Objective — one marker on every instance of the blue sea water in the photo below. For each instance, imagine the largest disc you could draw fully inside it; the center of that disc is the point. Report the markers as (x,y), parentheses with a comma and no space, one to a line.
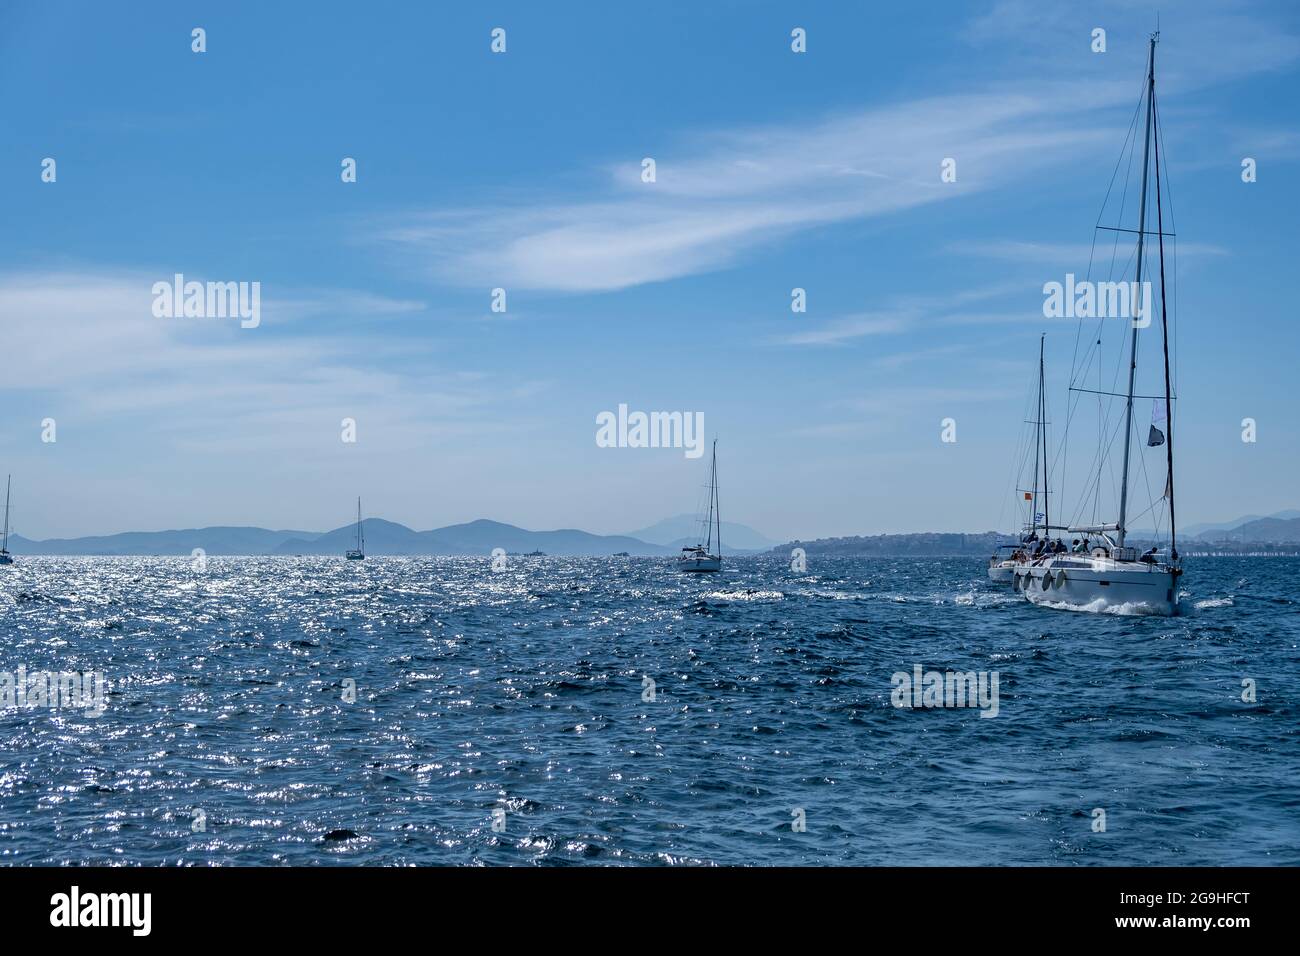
(524,691)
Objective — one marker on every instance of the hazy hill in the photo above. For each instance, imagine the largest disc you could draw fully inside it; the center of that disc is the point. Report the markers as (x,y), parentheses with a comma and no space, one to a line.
(481,536)
(381,537)
(681,530)
(1199,530)
(1273,530)
(217,540)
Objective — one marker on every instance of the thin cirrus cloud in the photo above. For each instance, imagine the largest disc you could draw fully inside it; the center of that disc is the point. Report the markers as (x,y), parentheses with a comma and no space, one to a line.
(750,188)
(737,191)
(1076,255)
(902,313)
(847,328)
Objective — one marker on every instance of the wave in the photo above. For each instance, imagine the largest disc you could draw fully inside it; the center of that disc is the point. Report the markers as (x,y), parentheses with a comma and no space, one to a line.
(1213,602)
(747,595)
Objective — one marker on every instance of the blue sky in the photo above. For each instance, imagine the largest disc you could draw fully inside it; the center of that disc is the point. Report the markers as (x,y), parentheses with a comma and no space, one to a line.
(521,170)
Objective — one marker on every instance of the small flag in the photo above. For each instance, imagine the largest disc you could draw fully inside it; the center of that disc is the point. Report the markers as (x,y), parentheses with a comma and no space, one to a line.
(1156,437)
(1028,496)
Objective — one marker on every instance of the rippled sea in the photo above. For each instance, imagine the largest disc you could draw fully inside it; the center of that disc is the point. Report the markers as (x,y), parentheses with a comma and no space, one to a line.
(506,717)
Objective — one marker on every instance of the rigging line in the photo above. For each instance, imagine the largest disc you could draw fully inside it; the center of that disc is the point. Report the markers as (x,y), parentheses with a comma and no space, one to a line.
(1164,325)
(1169,189)
(1018,462)
(1129,147)
(1134,231)
(1095,349)
(1120,394)
(1129,135)
(1104,462)
(1094,480)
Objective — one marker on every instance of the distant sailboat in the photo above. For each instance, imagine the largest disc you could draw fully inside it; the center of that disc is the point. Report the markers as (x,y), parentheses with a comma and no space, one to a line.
(359,552)
(5,556)
(702,558)
(1008,557)
(1105,571)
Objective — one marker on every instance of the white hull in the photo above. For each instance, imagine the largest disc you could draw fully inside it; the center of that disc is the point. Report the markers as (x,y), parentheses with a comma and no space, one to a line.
(1083,583)
(1003,571)
(700,565)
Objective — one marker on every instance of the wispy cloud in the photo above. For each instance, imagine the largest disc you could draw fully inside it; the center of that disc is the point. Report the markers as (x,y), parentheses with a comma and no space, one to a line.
(90,343)
(1066,254)
(744,189)
(847,328)
(902,313)
(731,192)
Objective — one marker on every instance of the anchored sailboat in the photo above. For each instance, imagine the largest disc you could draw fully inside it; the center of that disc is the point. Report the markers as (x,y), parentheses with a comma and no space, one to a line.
(5,556)
(702,558)
(359,552)
(1104,571)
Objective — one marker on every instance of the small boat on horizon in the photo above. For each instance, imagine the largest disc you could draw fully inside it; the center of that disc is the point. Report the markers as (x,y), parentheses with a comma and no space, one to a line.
(359,552)
(701,558)
(5,556)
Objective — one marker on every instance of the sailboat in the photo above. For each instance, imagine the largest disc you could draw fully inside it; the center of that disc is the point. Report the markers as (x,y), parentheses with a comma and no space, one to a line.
(5,556)
(702,558)
(1105,572)
(1008,557)
(359,552)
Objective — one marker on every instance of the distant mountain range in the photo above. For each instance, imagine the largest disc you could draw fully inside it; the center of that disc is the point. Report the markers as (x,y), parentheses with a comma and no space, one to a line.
(1279,531)
(665,538)
(1274,529)
(1282,527)
(382,538)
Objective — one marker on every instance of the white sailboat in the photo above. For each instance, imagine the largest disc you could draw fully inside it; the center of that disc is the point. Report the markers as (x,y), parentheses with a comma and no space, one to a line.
(5,556)
(1008,557)
(702,558)
(1105,572)
(359,552)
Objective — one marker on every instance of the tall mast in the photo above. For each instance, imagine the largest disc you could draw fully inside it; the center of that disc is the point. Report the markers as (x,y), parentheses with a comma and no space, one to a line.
(4,546)
(1132,355)
(717,505)
(1164,326)
(1042,437)
(1038,424)
(358,522)
(713,486)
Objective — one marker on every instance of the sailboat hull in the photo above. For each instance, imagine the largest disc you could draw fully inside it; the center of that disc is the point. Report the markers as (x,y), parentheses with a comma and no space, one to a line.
(1080,583)
(703,565)
(1001,572)
(5,558)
